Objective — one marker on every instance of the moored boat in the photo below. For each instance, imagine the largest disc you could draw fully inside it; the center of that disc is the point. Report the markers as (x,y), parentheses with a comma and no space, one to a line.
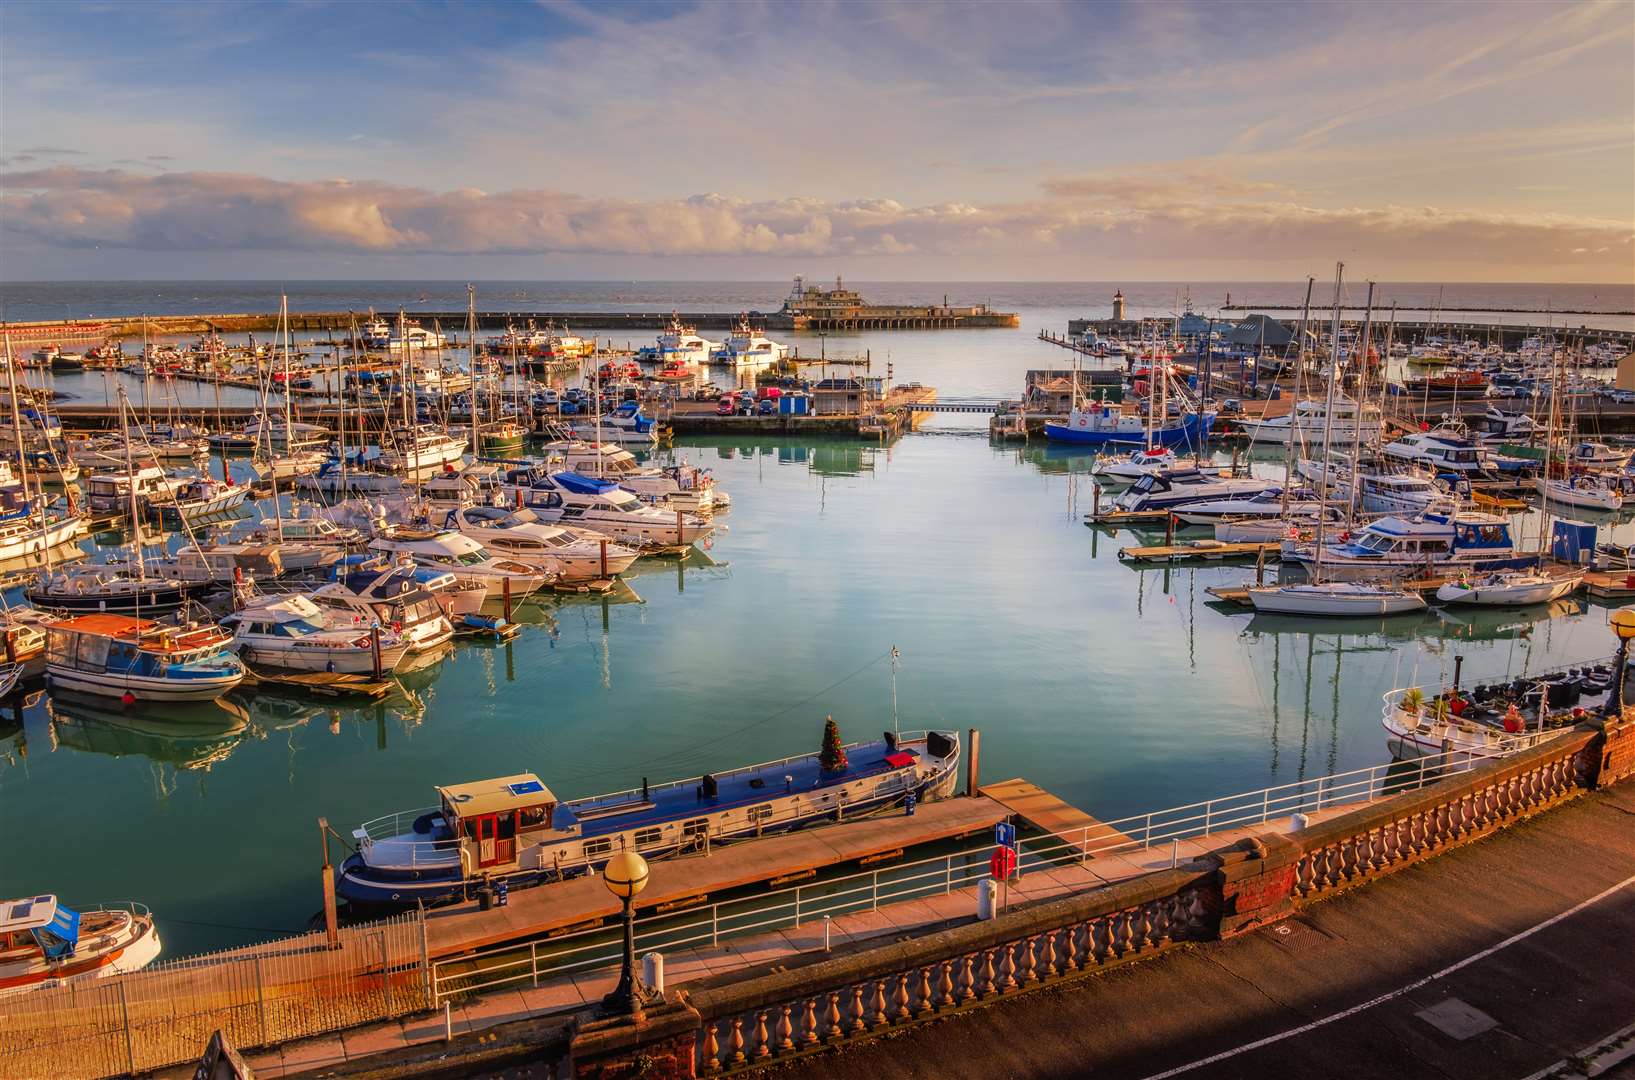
(140,660)
(291,633)
(1509,588)
(43,942)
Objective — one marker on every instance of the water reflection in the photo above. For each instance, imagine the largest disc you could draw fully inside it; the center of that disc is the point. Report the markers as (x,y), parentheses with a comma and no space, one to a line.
(193,736)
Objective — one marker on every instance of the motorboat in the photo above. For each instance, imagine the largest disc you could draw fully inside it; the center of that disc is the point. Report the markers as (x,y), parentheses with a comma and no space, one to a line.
(291,464)
(415,338)
(1178,487)
(1443,451)
(681,487)
(44,942)
(309,530)
(291,633)
(1263,504)
(1400,493)
(572,554)
(1403,546)
(1598,455)
(625,425)
(421,449)
(1347,423)
(458,554)
(1585,491)
(1135,465)
(681,344)
(1509,588)
(749,349)
(139,659)
(26,528)
(201,566)
(1497,426)
(478,484)
(567,498)
(1492,720)
(198,498)
(374,593)
(512,828)
(1334,598)
(112,492)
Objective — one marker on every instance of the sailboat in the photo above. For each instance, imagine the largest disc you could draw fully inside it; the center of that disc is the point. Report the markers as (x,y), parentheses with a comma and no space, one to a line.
(25,528)
(499,437)
(1334,598)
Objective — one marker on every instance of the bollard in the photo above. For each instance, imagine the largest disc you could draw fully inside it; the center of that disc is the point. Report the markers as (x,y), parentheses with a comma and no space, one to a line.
(448,1022)
(505,594)
(653,971)
(826,922)
(1299,822)
(987,892)
(603,545)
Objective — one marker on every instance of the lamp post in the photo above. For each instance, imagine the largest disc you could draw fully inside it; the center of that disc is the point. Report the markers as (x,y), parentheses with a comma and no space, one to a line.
(1623,624)
(625,875)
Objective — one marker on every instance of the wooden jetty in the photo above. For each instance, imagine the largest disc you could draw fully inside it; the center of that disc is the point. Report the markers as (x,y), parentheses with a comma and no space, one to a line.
(321,683)
(1050,814)
(1196,550)
(1610,585)
(585,901)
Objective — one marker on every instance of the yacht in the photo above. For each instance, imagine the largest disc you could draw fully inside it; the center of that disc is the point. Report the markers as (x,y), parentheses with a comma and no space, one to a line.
(1400,493)
(1335,599)
(567,498)
(415,338)
(311,531)
(1404,547)
(455,553)
(1497,426)
(291,633)
(626,424)
(1509,588)
(199,497)
(1598,455)
(111,492)
(25,528)
(1178,487)
(421,449)
(108,588)
(43,942)
(371,594)
(1263,504)
(377,334)
(682,487)
(512,828)
(1347,423)
(1585,491)
(140,660)
(572,554)
(1109,471)
(680,344)
(1444,451)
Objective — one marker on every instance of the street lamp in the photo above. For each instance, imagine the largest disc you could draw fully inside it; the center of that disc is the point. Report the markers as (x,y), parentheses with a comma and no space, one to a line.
(626,875)
(1623,624)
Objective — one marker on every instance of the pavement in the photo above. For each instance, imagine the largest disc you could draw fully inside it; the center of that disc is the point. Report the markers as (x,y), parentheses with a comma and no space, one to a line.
(1510,958)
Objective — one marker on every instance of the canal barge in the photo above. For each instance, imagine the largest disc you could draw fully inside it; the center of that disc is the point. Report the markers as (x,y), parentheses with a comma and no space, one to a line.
(513,829)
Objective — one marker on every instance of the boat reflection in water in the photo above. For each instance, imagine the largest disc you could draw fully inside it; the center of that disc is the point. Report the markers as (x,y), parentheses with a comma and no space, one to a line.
(192,736)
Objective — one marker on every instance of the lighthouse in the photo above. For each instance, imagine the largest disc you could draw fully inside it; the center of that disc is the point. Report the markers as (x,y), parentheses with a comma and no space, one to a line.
(1118,306)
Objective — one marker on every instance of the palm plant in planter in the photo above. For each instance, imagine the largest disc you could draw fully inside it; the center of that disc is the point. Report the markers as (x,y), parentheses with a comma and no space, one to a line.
(1412,703)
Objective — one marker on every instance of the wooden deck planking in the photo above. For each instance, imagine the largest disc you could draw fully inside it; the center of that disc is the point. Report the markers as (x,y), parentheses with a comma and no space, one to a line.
(536,911)
(1205,550)
(1051,814)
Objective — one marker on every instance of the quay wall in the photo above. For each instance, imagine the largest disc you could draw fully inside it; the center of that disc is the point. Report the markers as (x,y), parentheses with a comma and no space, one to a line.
(1510,335)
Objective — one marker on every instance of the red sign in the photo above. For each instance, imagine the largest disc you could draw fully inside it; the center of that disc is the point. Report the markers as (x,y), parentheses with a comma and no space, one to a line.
(1002,863)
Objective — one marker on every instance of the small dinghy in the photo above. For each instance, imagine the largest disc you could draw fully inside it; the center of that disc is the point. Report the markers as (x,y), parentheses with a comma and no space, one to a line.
(45,943)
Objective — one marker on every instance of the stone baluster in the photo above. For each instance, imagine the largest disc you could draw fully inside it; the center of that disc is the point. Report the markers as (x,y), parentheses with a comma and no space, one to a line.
(1099,947)
(925,1007)
(1007,968)
(735,1042)
(945,985)
(990,982)
(710,1055)
(967,980)
(832,1030)
(809,1023)
(859,1012)
(877,1015)
(899,1000)
(1145,938)
(784,1029)
(1050,952)
(763,1044)
(1029,967)
(1121,933)
(1178,927)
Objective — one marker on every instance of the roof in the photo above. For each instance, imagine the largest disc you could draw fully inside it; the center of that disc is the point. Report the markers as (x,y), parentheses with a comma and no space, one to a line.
(496,795)
(584,485)
(27,914)
(1260,330)
(108,625)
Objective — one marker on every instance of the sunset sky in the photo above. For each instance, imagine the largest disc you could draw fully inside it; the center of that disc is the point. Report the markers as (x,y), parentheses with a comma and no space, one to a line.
(1459,142)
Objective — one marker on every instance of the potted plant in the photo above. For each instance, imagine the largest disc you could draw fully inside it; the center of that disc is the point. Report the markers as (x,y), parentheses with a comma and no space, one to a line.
(1412,704)
(832,758)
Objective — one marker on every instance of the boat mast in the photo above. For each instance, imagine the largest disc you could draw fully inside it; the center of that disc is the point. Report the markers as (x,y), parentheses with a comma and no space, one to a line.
(1328,411)
(1360,398)
(16,416)
(1299,372)
(476,385)
(136,516)
(1549,451)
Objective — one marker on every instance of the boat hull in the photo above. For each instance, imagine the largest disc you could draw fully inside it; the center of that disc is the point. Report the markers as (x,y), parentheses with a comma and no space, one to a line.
(1194,431)
(141,687)
(1333,603)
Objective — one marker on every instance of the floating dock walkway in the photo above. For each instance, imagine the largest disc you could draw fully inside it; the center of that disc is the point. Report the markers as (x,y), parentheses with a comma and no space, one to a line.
(1051,814)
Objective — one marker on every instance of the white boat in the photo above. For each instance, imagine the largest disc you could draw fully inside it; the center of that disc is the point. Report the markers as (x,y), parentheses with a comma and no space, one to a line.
(291,633)
(571,554)
(455,553)
(415,338)
(1265,504)
(1598,455)
(376,333)
(748,349)
(107,493)
(1400,493)
(422,449)
(1496,425)
(402,597)
(682,487)
(1334,598)
(1403,547)
(44,943)
(680,345)
(311,531)
(1178,487)
(1583,491)
(1133,466)
(1508,588)
(1304,423)
(1419,732)
(567,498)
(1443,451)
(626,425)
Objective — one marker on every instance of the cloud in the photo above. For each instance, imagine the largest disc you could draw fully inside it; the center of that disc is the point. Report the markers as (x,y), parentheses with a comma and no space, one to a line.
(53,151)
(1184,216)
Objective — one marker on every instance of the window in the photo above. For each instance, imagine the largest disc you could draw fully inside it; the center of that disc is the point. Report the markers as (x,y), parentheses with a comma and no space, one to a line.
(696,827)
(649,837)
(759,814)
(598,847)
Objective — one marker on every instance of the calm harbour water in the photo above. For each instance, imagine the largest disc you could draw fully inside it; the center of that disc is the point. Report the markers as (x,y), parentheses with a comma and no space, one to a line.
(1120,689)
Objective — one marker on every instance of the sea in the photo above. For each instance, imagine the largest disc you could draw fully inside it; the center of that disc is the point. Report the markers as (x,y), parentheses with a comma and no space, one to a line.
(1122,689)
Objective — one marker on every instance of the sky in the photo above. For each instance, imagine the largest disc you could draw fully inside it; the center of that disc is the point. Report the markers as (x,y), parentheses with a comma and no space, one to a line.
(917,141)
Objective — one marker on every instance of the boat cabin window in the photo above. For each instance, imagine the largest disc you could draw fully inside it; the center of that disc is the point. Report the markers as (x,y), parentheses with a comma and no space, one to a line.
(760,813)
(648,837)
(696,827)
(599,846)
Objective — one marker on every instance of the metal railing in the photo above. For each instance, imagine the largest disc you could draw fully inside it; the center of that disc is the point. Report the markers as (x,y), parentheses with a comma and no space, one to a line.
(597,947)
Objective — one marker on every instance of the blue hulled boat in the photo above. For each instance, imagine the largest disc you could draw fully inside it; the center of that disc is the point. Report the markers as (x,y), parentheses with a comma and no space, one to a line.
(1105,425)
(513,828)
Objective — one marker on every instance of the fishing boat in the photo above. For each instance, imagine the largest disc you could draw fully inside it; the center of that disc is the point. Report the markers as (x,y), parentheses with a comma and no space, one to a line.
(370,593)
(681,487)
(1509,588)
(570,499)
(44,942)
(291,633)
(1337,599)
(458,554)
(571,554)
(514,828)
(1107,425)
(140,660)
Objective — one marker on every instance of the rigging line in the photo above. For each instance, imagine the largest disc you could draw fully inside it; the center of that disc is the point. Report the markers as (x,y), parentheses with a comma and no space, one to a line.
(692,749)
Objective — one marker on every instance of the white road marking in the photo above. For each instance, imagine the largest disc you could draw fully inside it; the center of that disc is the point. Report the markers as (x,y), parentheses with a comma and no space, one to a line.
(1408,989)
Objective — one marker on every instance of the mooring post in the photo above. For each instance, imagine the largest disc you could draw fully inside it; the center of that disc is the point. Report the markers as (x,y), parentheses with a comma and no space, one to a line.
(603,545)
(505,596)
(680,536)
(374,655)
(331,931)
(974,737)
(1260,565)
(1169,530)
